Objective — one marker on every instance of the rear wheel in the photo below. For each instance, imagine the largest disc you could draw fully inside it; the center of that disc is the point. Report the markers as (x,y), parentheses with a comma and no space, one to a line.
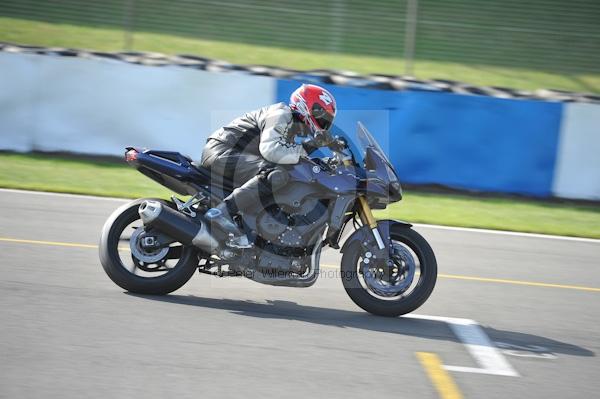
(395,286)
(135,268)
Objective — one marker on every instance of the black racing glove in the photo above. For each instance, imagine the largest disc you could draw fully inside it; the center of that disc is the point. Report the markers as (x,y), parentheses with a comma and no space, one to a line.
(319,140)
(309,146)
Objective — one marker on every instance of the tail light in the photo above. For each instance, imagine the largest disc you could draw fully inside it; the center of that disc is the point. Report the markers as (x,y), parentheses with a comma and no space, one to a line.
(131,155)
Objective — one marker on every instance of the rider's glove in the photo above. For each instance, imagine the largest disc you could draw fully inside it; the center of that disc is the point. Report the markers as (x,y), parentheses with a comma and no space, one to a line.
(309,146)
(319,140)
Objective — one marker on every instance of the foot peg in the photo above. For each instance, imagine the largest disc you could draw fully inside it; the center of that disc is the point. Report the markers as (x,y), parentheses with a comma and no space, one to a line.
(239,242)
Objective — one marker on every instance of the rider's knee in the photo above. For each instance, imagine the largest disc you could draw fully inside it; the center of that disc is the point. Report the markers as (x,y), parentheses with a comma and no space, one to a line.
(277,178)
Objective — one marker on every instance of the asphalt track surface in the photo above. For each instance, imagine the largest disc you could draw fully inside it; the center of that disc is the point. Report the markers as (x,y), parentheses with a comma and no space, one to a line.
(511,316)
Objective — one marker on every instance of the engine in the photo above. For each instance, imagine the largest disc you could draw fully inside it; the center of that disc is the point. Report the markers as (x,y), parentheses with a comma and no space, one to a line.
(284,234)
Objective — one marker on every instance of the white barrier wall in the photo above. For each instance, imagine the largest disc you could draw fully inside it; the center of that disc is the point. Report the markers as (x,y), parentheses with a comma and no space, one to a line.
(577,170)
(101,106)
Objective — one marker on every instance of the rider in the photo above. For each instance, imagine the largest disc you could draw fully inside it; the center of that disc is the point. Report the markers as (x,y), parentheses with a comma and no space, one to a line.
(251,151)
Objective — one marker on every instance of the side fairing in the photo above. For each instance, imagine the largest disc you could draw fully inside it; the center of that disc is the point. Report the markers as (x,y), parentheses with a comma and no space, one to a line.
(344,181)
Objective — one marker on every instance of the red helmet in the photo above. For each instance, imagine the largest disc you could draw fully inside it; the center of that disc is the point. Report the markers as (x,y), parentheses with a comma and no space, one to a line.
(315,106)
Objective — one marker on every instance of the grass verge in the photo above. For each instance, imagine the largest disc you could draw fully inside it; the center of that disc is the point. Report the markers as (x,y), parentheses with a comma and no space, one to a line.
(106,39)
(68,175)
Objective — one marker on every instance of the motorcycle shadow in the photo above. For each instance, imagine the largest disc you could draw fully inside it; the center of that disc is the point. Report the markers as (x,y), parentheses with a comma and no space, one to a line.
(405,326)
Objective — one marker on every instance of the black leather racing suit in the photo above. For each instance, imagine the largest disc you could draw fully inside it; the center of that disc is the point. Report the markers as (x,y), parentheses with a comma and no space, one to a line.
(251,151)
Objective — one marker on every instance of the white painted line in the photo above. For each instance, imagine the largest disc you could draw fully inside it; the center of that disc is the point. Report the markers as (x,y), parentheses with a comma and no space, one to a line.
(533,351)
(427,226)
(508,233)
(488,357)
(46,193)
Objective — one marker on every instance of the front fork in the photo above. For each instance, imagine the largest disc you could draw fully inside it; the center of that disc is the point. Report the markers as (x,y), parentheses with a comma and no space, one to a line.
(367,218)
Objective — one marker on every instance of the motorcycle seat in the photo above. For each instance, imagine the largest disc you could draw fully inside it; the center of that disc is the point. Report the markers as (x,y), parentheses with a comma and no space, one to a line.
(221,182)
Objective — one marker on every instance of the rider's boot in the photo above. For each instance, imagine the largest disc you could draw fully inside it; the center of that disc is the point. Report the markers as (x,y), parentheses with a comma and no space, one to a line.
(220,216)
(247,196)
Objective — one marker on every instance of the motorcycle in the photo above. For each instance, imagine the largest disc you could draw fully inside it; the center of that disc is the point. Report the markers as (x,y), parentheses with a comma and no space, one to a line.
(154,246)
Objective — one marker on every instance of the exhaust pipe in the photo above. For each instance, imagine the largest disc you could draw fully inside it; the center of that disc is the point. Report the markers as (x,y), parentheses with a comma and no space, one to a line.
(177,225)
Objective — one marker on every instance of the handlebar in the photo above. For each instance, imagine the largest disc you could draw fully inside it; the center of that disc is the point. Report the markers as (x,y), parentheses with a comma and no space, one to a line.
(336,144)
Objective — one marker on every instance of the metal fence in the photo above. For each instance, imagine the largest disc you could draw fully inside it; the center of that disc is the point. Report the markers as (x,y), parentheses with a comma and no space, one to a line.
(556,36)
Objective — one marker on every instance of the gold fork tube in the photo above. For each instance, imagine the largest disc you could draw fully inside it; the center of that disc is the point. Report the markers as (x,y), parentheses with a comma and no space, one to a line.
(365,213)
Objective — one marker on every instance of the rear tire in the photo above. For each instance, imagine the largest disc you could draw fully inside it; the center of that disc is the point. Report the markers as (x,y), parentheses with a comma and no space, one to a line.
(114,267)
(394,306)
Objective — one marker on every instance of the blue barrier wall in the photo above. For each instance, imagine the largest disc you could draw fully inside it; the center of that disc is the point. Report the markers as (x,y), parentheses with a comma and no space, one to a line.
(466,142)
(462,141)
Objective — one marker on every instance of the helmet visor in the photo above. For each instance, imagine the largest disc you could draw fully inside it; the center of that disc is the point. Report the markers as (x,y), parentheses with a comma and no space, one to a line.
(324,119)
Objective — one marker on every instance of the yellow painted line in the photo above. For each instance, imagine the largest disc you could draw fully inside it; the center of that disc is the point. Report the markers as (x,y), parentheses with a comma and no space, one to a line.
(519,282)
(439,377)
(505,281)
(53,243)
(450,276)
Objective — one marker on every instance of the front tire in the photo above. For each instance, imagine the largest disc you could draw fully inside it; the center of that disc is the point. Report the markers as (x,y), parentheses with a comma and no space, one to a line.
(113,256)
(405,302)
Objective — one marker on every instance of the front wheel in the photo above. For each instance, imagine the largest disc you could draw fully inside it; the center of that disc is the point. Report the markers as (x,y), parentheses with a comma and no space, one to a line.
(139,270)
(395,286)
